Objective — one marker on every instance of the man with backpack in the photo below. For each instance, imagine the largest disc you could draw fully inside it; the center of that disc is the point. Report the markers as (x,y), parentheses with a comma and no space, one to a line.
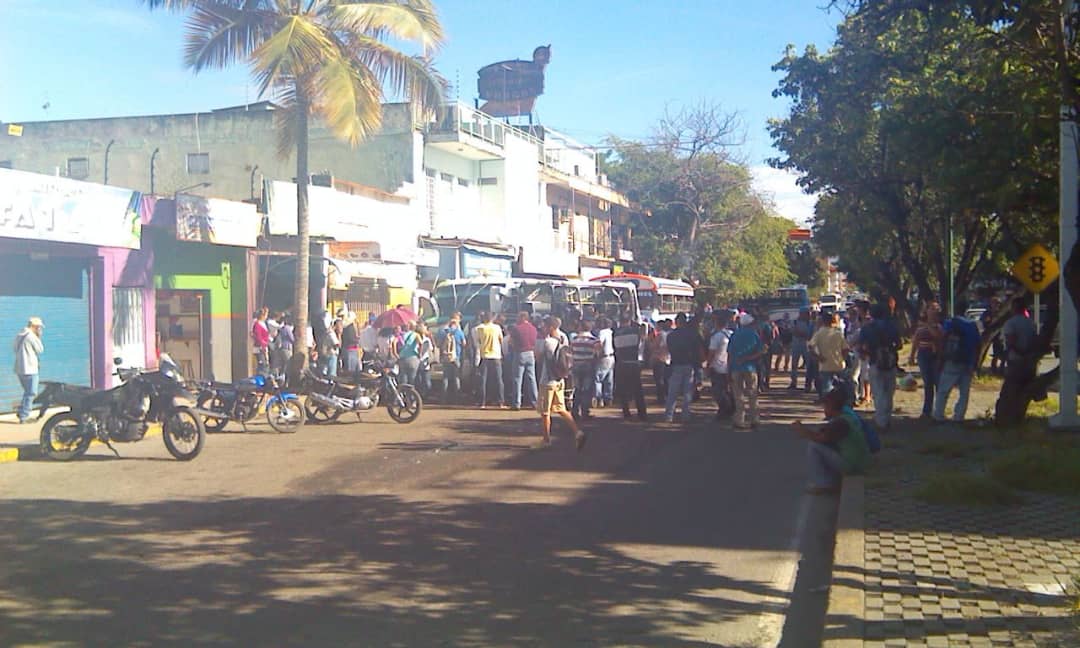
(718,363)
(960,350)
(558,363)
(451,344)
(627,342)
(880,341)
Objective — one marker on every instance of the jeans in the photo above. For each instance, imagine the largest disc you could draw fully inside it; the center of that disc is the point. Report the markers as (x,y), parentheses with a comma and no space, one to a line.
(524,376)
(423,378)
(744,385)
(408,368)
(584,383)
(721,393)
(451,380)
(659,374)
(30,386)
(883,386)
(491,370)
(605,379)
(953,375)
(812,370)
(352,361)
(764,370)
(328,364)
(928,368)
(262,361)
(824,382)
(799,352)
(628,387)
(826,465)
(681,384)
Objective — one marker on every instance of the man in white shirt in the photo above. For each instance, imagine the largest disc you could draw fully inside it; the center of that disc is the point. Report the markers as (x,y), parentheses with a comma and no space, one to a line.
(605,364)
(719,372)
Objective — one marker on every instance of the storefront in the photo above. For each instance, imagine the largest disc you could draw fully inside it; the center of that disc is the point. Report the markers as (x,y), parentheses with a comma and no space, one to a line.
(200,276)
(69,253)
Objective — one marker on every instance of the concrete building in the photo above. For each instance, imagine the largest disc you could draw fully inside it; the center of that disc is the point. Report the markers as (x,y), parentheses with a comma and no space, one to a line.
(487,197)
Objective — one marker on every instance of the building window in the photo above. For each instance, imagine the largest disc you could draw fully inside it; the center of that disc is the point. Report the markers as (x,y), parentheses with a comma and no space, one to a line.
(429,172)
(6,164)
(446,177)
(78,168)
(489,181)
(462,182)
(198,163)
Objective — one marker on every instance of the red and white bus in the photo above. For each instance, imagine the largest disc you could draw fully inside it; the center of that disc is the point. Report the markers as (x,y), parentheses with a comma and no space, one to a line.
(658,298)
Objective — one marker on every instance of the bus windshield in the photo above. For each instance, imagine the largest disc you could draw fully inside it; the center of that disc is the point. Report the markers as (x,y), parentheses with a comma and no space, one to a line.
(471,299)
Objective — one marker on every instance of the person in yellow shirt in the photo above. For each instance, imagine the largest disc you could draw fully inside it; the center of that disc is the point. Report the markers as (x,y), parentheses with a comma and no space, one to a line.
(830,348)
(489,342)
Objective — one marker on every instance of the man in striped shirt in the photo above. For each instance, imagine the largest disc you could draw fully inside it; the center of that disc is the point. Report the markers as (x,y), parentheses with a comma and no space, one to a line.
(586,349)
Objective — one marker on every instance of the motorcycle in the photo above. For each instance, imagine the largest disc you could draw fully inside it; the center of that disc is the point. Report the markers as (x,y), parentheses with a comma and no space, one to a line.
(122,414)
(329,398)
(218,403)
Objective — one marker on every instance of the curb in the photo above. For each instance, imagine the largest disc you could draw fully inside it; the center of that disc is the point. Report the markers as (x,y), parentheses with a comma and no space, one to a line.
(844,619)
(33,452)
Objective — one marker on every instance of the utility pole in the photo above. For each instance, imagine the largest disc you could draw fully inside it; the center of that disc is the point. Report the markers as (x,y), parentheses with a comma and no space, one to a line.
(949,295)
(1067,225)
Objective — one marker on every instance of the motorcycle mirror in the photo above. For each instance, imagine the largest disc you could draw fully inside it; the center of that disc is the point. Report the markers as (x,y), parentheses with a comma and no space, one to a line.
(117,361)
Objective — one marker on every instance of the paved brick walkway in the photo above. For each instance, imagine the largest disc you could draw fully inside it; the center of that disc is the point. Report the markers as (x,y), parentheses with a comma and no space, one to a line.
(945,576)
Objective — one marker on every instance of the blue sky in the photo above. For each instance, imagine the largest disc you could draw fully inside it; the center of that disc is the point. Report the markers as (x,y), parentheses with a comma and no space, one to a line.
(616,64)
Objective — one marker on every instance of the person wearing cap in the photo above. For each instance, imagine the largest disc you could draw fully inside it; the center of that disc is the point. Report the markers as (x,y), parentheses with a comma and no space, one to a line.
(744,349)
(28,346)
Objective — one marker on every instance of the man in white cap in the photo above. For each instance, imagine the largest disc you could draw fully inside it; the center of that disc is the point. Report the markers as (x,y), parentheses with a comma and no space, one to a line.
(28,347)
(744,349)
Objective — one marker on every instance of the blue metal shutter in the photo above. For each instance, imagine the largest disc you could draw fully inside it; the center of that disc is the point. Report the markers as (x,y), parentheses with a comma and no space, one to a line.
(58,291)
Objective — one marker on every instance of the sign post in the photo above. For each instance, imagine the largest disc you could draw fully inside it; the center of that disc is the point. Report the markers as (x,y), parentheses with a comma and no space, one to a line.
(1037,269)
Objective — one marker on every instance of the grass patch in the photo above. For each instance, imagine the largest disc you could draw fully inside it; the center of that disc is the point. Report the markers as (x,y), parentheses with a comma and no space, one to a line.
(988,380)
(966,489)
(1049,467)
(947,449)
(1044,409)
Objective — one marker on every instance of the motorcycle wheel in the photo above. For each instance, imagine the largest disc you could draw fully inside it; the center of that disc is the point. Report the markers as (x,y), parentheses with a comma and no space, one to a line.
(184,433)
(317,413)
(213,403)
(63,424)
(408,408)
(285,416)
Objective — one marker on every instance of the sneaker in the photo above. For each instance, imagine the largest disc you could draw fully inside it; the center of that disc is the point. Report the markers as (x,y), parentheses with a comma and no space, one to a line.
(543,445)
(579,440)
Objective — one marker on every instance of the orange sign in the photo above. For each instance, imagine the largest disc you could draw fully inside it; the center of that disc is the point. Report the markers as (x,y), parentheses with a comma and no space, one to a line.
(798,234)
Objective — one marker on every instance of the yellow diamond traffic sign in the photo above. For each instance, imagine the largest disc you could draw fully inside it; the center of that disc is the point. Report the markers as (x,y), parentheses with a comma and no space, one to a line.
(1037,268)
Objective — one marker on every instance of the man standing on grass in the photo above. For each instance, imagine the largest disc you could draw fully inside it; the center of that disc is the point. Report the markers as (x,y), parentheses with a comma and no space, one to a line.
(556,366)
(880,341)
(744,349)
(960,350)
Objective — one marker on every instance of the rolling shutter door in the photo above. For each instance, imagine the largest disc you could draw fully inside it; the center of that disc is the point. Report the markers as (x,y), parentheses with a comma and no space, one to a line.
(58,291)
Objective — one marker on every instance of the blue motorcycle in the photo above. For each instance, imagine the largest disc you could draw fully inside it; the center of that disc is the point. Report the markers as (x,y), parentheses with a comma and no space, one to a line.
(218,403)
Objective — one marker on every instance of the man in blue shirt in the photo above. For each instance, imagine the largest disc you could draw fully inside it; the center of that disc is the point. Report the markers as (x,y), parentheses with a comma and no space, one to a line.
(744,349)
(451,345)
(960,351)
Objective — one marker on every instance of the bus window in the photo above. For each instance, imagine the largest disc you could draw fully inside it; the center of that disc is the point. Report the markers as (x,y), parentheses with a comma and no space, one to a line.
(647,300)
(537,298)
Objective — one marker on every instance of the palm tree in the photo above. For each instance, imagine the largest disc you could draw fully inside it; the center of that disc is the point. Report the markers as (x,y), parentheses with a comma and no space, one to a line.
(323,59)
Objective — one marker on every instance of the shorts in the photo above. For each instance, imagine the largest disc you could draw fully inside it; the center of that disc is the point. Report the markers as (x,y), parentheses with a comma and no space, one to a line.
(551,399)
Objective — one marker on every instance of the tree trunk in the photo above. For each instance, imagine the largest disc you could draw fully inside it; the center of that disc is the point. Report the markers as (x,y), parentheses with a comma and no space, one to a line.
(303,241)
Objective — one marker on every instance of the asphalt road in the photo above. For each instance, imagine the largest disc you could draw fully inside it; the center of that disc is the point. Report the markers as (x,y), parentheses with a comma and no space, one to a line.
(447,532)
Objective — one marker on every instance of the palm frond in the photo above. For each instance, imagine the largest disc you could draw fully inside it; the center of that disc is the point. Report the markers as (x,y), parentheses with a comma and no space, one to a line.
(219,35)
(296,48)
(348,98)
(411,20)
(412,76)
(285,120)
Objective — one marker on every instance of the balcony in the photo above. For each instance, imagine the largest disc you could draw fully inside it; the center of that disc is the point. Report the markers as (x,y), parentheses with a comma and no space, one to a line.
(465,132)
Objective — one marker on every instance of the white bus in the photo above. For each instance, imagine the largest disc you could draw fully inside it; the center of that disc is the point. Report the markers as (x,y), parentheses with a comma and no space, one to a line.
(658,298)
(543,297)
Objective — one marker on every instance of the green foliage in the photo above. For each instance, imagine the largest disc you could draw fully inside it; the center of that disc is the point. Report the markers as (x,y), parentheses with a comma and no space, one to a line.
(911,124)
(1047,467)
(751,263)
(958,488)
(808,264)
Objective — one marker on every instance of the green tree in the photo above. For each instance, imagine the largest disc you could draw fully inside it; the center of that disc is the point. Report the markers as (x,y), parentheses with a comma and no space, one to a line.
(751,263)
(808,265)
(318,59)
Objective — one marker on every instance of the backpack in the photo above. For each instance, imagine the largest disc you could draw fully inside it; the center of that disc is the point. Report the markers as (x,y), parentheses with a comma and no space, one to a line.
(953,349)
(562,362)
(873,441)
(448,346)
(882,352)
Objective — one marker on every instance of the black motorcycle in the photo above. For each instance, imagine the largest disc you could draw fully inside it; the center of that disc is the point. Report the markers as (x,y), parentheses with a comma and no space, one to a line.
(220,403)
(329,398)
(122,414)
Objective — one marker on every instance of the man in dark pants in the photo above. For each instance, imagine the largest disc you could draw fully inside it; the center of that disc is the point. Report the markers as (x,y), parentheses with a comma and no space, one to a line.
(627,341)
